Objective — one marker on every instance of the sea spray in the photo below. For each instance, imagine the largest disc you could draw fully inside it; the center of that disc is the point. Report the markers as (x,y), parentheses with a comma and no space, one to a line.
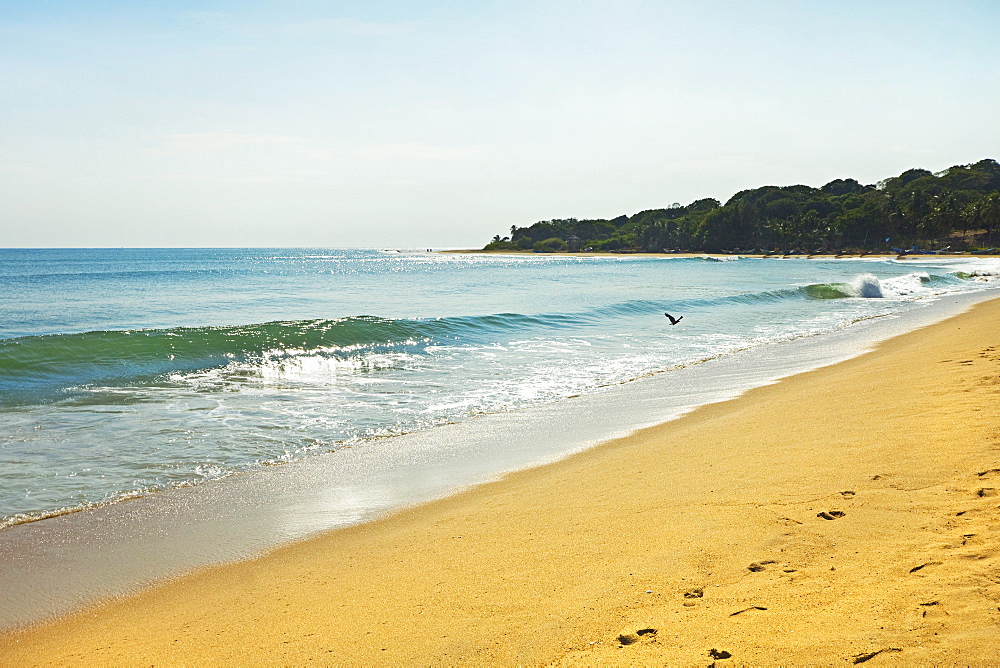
(870,286)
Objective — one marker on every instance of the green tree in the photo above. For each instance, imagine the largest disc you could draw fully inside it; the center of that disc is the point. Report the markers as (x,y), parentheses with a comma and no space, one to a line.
(550,245)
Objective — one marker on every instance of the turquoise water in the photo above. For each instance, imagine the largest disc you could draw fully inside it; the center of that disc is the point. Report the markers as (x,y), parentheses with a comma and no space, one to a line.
(124,371)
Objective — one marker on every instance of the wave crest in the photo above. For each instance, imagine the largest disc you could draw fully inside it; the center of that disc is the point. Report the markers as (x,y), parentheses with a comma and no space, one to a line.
(870,286)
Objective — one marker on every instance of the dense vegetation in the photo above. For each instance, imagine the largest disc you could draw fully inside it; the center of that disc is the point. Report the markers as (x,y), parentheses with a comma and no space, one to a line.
(957,208)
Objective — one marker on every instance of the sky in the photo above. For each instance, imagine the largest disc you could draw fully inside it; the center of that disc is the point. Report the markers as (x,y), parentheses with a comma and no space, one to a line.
(439,124)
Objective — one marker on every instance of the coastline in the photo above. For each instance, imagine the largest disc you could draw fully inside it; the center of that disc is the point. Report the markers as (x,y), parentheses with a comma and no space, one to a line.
(706,529)
(756,256)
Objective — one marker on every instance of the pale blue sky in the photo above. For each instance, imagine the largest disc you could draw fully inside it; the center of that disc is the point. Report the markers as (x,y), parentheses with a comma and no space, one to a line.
(418,124)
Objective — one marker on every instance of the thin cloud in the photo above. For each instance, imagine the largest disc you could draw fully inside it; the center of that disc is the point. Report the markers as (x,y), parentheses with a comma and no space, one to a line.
(419,151)
(269,179)
(223,142)
(215,143)
(344,26)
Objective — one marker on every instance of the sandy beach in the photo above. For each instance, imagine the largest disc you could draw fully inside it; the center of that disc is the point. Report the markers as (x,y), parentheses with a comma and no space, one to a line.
(843,515)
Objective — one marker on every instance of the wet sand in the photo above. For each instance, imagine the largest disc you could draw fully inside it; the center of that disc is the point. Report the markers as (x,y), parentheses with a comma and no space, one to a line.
(844,515)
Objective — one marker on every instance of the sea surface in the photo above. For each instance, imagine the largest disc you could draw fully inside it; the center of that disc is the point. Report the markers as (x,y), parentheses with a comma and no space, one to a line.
(128,371)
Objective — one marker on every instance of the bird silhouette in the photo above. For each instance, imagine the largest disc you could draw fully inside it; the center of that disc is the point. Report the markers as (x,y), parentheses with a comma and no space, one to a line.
(672,319)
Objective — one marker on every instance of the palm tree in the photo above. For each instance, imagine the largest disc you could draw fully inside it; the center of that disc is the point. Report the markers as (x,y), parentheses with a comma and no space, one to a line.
(989,212)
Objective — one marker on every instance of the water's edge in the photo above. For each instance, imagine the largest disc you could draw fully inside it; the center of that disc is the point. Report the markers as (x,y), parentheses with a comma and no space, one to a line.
(53,566)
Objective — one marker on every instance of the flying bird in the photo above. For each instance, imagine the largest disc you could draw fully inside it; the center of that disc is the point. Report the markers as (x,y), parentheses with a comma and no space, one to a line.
(672,319)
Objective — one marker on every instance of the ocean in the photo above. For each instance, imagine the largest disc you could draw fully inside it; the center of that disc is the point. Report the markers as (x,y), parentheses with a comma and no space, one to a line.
(124,372)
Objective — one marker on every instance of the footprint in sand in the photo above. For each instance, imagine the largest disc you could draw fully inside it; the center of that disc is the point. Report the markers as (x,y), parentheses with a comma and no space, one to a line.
(933,609)
(923,566)
(868,656)
(629,637)
(831,514)
(758,566)
(987,491)
(691,597)
(752,607)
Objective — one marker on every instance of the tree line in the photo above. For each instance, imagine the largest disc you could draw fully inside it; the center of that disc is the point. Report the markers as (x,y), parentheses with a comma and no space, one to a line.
(958,208)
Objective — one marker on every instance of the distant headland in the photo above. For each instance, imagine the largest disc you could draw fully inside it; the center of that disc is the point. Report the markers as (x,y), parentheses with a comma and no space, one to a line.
(957,209)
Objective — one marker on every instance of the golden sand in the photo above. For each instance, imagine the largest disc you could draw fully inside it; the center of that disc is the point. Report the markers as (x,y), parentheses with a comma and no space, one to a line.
(841,516)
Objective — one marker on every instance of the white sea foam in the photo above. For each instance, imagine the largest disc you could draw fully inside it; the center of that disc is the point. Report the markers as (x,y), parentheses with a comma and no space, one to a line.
(867,286)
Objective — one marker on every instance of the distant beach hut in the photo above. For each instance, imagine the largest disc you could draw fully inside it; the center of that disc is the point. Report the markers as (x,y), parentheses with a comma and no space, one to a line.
(574,243)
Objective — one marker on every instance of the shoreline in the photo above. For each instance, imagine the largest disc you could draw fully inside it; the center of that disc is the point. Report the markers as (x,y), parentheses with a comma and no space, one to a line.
(120,548)
(754,256)
(727,499)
